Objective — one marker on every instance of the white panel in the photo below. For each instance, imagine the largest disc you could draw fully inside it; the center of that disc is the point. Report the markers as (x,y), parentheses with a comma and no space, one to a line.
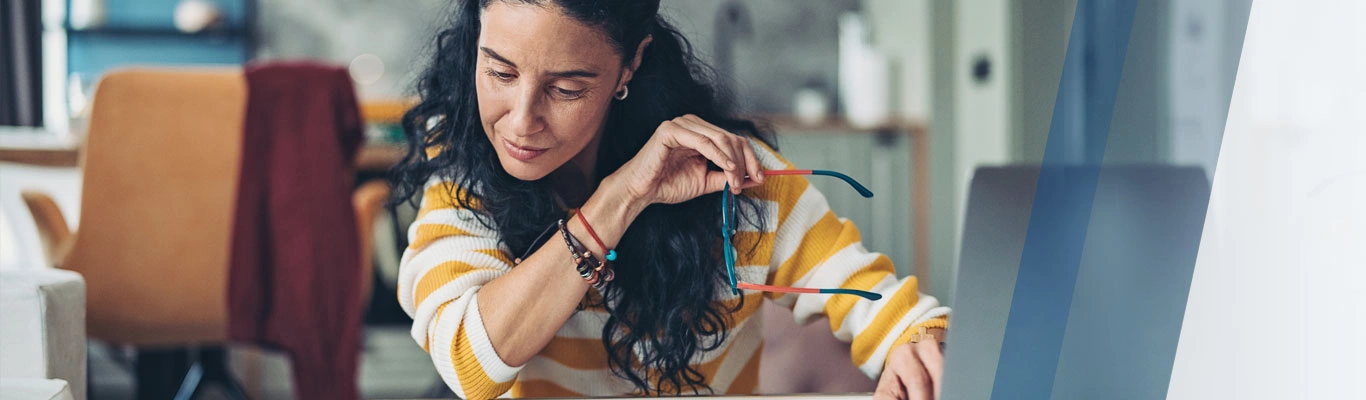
(1276,308)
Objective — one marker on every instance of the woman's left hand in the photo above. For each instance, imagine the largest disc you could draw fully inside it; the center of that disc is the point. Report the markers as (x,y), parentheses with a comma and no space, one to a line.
(914,371)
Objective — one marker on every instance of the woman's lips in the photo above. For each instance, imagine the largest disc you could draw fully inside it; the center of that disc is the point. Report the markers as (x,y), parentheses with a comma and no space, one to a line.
(522,153)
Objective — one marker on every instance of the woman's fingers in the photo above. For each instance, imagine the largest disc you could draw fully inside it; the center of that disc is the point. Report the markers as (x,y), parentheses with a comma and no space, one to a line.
(716,181)
(756,170)
(889,387)
(908,367)
(726,141)
(933,361)
(690,139)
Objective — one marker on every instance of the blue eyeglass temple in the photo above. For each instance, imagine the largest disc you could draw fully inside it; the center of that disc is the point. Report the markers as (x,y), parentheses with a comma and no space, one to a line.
(857,186)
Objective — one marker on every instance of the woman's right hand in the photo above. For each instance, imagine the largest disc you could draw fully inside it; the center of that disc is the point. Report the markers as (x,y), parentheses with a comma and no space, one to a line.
(672,167)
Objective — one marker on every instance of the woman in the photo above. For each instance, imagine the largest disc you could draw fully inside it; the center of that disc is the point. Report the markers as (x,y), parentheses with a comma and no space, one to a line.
(533,111)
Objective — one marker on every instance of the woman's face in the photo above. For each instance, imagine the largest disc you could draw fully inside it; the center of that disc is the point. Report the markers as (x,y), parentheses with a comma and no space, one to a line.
(544,83)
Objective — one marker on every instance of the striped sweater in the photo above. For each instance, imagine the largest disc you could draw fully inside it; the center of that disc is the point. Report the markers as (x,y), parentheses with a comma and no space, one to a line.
(452,255)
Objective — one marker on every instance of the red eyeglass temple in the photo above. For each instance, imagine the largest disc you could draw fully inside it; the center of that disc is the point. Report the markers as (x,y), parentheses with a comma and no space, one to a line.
(787,172)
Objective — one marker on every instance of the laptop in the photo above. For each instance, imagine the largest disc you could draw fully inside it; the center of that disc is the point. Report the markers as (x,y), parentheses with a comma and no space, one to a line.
(1092,318)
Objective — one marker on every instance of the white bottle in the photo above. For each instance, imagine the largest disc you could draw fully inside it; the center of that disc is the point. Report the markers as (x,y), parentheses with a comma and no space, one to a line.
(864,76)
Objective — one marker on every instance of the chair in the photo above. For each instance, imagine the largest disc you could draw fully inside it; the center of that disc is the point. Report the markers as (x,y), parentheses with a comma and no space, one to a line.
(160,168)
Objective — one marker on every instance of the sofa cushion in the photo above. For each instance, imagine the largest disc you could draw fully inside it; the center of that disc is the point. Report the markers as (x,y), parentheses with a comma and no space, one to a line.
(42,326)
(34,389)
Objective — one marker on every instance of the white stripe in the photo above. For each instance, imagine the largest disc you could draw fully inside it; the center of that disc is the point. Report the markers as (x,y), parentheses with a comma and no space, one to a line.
(494,366)
(462,218)
(836,269)
(768,159)
(808,210)
(417,263)
(743,273)
(743,347)
(833,272)
(601,382)
(596,382)
(583,324)
(426,311)
(737,336)
(445,250)
(865,312)
(770,210)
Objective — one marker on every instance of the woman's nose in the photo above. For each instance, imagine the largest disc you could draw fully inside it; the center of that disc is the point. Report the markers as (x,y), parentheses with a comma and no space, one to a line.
(526,117)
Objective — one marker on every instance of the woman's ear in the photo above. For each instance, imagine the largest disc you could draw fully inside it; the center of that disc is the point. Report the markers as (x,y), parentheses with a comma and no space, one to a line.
(635,63)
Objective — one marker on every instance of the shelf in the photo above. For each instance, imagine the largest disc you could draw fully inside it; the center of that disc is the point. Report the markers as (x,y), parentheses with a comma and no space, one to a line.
(157,31)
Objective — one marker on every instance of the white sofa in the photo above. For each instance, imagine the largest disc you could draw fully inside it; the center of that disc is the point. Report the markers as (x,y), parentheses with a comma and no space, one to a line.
(42,334)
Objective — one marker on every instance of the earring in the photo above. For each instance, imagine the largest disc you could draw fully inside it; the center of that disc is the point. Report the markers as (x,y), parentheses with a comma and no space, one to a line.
(625,90)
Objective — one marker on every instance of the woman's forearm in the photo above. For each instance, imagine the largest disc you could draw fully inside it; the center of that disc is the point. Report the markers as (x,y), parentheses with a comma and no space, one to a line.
(524,308)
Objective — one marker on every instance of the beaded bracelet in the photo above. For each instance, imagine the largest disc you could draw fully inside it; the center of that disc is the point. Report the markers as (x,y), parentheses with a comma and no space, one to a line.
(588,265)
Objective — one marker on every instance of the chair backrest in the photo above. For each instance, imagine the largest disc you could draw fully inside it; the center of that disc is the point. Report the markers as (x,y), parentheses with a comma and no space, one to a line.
(161,165)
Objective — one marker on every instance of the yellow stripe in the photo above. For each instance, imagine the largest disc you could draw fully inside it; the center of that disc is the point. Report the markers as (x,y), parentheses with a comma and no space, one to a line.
(428,233)
(753,248)
(443,195)
(438,196)
(473,379)
(587,354)
(838,307)
(708,369)
(784,190)
(825,238)
(576,353)
(753,301)
(541,388)
(440,275)
(905,337)
(897,306)
(748,380)
(498,254)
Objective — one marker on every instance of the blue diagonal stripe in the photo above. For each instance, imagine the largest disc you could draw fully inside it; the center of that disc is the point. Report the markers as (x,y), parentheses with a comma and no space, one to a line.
(1062,204)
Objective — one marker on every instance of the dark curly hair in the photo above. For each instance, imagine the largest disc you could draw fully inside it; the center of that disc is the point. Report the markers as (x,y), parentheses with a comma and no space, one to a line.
(669,271)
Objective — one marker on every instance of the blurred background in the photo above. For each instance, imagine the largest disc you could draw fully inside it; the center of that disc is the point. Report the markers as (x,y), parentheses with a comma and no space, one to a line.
(908,96)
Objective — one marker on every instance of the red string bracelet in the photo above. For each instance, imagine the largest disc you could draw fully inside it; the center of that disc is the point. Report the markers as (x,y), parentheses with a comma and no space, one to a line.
(611,253)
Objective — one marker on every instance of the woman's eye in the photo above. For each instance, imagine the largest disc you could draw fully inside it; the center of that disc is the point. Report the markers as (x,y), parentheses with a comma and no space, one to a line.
(567,94)
(505,77)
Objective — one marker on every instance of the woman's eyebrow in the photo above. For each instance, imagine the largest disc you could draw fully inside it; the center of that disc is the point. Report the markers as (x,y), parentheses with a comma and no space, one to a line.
(493,54)
(573,73)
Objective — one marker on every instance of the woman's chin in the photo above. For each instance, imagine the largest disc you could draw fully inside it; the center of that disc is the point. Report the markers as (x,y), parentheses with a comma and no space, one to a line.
(524,171)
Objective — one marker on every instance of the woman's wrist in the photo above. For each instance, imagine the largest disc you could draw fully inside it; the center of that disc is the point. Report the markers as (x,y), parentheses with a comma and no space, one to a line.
(617,197)
(609,211)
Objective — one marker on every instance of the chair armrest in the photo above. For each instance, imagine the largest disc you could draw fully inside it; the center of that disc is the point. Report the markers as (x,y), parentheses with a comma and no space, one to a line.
(52,228)
(368,201)
(42,326)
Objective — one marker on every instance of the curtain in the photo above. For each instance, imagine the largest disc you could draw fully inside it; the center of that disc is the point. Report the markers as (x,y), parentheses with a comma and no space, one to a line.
(21,94)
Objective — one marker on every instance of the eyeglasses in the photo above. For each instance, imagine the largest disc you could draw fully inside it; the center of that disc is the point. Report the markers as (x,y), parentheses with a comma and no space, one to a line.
(728,229)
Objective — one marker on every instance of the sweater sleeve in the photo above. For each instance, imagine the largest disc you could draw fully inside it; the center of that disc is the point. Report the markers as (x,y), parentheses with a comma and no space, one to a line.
(811,247)
(451,255)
